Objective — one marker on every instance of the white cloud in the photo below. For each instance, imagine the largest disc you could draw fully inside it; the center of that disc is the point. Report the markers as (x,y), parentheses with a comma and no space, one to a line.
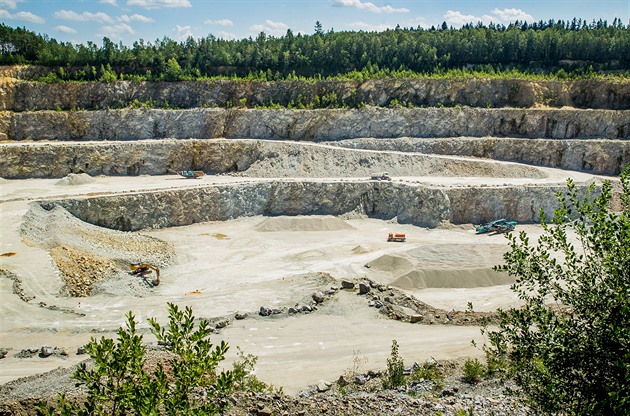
(110,2)
(25,16)
(9,4)
(505,16)
(371,7)
(182,32)
(455,18)
(135,18)
(116,32)
(226,35)
(368,27)
(510,15)
(65,29)
(220,22)
(270,28)
(84,17)
(159,4)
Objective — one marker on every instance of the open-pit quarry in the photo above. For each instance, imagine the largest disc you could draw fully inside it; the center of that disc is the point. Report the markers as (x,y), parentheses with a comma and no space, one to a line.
(282,244)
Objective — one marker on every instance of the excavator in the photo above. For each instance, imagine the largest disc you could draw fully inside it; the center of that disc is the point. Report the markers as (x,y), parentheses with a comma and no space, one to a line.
(189,174)
(144,270)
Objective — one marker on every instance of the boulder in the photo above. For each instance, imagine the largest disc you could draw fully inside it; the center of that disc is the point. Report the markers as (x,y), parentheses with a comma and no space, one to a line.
(323,387)
(318,297)
(222,324)
(346,284)
(46,351)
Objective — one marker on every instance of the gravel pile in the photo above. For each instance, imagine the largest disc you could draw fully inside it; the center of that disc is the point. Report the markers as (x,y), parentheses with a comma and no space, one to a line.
(93,259)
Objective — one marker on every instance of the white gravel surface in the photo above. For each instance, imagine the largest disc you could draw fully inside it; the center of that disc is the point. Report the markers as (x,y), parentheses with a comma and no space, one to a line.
(220,268)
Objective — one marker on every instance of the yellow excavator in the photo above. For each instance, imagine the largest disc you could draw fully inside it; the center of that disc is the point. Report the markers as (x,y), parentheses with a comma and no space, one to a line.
(144,270)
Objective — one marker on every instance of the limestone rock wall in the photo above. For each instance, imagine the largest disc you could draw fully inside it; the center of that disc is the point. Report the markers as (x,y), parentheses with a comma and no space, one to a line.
(596,93)
(607,157)
(266,159)
(418,205)
(317,125)
(56,160)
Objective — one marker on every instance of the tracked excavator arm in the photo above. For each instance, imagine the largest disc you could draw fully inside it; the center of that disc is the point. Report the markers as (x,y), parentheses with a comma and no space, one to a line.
(144,270)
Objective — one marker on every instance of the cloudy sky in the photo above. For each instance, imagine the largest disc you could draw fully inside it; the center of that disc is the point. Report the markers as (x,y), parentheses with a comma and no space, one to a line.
(131,20)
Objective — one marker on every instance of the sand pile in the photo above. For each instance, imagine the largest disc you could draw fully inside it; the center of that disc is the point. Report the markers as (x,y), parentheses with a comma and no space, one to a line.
(299,223)
(87,255)
(449,278)
(459,256)
(394,264)
(75,179)
(317,161)
(360,250)
(443,266)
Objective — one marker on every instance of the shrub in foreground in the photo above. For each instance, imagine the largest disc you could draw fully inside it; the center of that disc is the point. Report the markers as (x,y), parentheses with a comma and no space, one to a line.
(119,382)
(568,347)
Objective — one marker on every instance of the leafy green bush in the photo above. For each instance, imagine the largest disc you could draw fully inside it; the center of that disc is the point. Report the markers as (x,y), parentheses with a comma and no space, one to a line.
(429,371)
(473,371)
(243,374)
(119,382)
(395,369)
(568,347)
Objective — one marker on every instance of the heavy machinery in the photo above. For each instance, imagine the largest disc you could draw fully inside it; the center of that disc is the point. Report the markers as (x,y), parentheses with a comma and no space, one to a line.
(396,237)
(145,270)
(380,177)
(497,226)
(189,174)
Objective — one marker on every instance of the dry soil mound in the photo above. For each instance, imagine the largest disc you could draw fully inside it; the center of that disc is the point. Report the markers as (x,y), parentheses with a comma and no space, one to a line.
(75,179)
(394,264)
(444,266)
(445,278)
(459,256)
(299,223)
(87,255)
(316,161)
(360,250)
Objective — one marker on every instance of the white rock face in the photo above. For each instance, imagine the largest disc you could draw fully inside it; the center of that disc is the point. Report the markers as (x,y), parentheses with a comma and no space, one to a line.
(594,93)
(317,125)
(419,205)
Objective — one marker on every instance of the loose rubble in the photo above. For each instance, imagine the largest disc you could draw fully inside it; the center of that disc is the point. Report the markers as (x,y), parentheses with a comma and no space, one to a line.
(351,394)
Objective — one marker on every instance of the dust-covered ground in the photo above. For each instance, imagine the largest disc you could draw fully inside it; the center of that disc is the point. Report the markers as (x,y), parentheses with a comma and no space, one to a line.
(64,281)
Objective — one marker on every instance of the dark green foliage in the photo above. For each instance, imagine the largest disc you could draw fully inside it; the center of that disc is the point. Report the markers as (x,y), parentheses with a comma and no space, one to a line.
(395,369)
(566,49)
(118,382)
(243,374)
(429,371)
(195,369)
(473,371)
(568,347)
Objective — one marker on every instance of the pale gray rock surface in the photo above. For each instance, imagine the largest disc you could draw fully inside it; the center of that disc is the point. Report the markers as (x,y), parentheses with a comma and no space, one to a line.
(474,92)
(316,125)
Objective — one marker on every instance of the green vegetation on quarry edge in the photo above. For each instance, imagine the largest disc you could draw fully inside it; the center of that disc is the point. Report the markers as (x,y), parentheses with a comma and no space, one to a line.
(541,50)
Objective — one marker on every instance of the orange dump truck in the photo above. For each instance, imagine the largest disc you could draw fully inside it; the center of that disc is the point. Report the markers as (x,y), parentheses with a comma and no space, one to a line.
(397,237)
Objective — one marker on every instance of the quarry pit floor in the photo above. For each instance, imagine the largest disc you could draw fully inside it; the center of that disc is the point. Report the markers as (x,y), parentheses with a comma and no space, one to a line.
(240,265)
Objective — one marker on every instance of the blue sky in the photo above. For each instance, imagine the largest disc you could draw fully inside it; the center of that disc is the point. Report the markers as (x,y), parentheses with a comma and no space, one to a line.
(131,20)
